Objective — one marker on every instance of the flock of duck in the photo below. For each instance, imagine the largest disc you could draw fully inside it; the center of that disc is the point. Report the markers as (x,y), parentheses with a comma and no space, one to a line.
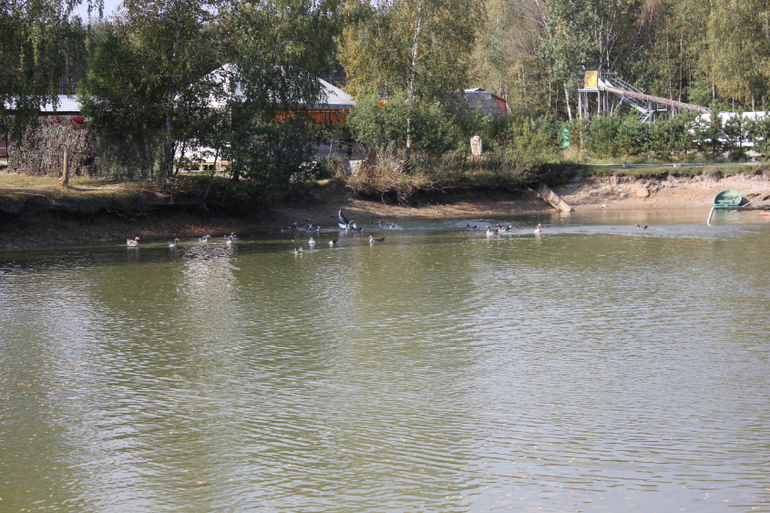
(350,226)
(228,239)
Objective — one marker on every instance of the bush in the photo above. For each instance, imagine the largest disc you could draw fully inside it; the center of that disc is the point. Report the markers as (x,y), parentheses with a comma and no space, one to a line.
(708,133)
(632,137)
(601,135)
(137,156)
(274,157)
(527,146)
(41,151)
(381,125)
(759,133)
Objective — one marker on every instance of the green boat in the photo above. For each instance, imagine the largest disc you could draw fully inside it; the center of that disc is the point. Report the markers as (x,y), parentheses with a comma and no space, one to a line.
(728,198)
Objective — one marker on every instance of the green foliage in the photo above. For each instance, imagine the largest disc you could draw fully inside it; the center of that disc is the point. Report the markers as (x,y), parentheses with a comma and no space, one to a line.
(421,47)
(389,44)
(602,135)
(708,133)
(40,46)
(759,133)
(149,71)
(672,136)
(632,136)
(735,130)
(132,156)
(275,157)
(527,146)
(381,125)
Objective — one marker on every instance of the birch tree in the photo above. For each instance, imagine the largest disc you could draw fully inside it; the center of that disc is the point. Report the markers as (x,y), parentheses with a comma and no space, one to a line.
(150,71)
(421,47)
(40,44)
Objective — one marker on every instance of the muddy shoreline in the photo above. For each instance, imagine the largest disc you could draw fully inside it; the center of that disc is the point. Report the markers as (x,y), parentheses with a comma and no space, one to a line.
(59,225)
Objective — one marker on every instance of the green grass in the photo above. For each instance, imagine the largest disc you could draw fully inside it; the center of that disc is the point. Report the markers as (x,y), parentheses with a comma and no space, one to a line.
(717,170)
(19,180)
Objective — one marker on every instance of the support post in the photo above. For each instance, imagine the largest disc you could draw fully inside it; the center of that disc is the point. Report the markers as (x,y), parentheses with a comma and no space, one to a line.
(65,173)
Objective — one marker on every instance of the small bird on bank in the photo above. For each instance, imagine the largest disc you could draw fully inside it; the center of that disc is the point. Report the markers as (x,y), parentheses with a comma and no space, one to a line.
(537,228)
(132,242)
(641,227)
(372,240)
(173,244)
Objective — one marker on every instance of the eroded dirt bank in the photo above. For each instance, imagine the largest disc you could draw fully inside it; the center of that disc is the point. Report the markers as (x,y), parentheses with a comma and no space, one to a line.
(58,226)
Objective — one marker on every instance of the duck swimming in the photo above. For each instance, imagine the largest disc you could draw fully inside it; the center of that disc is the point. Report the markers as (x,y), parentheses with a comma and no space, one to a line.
(132,242)
(332,242)
(490,231)
(641,227)
(205,238)
(231,239)
(297,251)
(372,240)
(173,244)
(537,229)
(311,241)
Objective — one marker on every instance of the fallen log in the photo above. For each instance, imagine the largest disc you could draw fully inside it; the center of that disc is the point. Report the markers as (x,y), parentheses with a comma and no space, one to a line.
(552,198)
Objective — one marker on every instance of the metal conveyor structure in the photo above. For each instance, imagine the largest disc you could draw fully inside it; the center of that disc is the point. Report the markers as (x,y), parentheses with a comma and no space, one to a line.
(612,91)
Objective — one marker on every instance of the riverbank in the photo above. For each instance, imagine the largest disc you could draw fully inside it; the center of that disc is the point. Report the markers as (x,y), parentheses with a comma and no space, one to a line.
(49,219)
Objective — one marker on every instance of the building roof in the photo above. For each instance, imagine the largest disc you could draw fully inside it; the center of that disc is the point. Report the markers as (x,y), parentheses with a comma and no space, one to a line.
(486,102)
(335,99)
(65,105)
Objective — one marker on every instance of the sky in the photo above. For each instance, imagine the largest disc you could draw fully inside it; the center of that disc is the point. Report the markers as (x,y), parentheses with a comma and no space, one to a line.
(110,7)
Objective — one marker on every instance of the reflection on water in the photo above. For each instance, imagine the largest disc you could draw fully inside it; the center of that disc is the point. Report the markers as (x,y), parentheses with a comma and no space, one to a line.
(592,368)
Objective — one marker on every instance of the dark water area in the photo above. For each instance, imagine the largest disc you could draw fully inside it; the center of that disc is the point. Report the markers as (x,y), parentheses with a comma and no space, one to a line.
(594,367)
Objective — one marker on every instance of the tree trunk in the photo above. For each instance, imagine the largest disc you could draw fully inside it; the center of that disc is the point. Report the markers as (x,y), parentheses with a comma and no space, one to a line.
(412,78)
(566,98)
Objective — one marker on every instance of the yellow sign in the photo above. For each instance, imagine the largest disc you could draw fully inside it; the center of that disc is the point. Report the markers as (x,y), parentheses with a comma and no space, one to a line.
(591,79)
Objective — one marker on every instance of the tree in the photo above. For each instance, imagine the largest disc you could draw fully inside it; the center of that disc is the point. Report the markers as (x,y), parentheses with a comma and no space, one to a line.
(150,70)
(580,35)
(39,46)
(738,38)
(278,49)
(421,47)
(507,59)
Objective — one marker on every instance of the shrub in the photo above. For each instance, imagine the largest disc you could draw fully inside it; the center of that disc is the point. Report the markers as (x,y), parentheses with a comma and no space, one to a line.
(41,150)
(274,157)
(137,156)
(382,125)
(601,135)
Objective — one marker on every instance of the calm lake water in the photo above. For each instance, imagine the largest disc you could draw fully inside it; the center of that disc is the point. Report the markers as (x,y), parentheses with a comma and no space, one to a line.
(594,368)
